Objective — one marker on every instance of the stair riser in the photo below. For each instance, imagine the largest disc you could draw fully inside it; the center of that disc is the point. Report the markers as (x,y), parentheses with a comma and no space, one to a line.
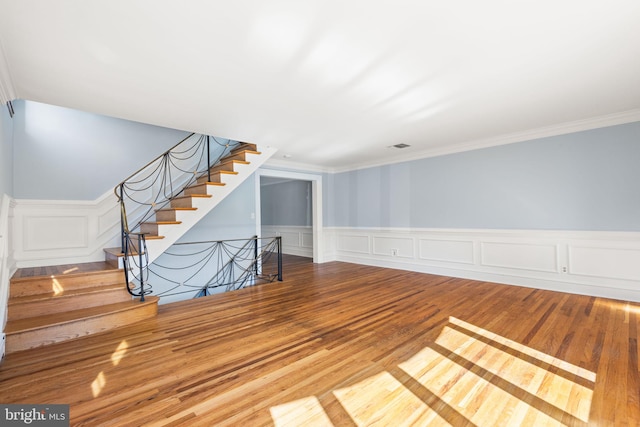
(215,177)
(226,166)
(44,285)
(149,228)
(242,156)
(244,146)
(66,303)
(167,216)
(82,327)
(196,189)
(185,202)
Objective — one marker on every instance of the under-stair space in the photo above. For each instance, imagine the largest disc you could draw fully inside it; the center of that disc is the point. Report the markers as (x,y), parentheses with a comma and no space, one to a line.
(59,303)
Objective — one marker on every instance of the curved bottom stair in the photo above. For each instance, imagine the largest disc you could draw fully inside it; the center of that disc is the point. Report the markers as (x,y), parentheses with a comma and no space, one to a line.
(60,303)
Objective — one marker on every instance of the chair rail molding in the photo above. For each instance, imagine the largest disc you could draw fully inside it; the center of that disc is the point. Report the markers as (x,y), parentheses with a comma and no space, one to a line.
(603,264)
(50,232)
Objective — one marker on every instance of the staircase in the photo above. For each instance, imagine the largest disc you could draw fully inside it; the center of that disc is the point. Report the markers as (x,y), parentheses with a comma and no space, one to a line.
(197,200)
(53,304)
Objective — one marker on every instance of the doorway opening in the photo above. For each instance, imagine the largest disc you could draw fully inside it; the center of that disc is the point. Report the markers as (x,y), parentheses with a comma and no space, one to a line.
(289,204)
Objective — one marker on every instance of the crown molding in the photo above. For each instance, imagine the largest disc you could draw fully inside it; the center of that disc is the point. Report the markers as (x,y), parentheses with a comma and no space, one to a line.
(295,166)
(624,117)
(7,91)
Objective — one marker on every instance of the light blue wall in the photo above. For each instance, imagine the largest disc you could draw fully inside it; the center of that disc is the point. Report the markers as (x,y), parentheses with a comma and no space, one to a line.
(233,218)
(60,153)
(285,202)
(6,152)
(582,181)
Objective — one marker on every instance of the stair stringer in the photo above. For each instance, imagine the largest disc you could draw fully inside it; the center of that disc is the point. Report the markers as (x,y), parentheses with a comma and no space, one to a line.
(172,232)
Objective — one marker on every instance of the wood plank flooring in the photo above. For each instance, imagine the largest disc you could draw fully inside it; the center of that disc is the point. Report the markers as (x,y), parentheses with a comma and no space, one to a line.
(343,344)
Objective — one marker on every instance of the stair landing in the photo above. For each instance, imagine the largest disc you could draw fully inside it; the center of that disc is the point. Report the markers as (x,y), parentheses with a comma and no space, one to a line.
(59,303)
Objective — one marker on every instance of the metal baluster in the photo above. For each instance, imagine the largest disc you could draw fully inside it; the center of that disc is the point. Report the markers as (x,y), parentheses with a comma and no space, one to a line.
(255,255)
(279,240)
(208,161)
(140,239)
(123,219)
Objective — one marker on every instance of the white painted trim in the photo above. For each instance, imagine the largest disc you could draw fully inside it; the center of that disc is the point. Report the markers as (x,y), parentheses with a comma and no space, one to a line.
(603,264)
(7,91)
(297,166)
(5,267)
(296,240)
(50,232)
(316,205)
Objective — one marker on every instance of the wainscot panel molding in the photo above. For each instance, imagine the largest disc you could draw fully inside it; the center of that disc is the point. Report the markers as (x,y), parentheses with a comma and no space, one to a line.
(7,266)
(603,264)
(296,240)
(50,232)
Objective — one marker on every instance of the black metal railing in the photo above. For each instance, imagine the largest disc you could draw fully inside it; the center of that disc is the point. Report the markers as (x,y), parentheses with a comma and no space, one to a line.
(152,188)
(136,261)
(217,266)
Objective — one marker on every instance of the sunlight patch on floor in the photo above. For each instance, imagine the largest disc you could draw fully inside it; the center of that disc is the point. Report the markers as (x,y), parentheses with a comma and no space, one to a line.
(468,375)
(479,379)
(98,384)
(117,355)
(383,400)
(543,357)
(307,411)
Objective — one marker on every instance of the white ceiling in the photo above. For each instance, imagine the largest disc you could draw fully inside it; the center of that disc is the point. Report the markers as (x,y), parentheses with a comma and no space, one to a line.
(333,83)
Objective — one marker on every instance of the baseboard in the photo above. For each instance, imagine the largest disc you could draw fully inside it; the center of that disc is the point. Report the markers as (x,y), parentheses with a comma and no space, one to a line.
(296,240)
(602,264)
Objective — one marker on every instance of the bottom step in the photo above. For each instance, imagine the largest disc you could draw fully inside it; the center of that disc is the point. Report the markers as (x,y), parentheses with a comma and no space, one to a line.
(38,331)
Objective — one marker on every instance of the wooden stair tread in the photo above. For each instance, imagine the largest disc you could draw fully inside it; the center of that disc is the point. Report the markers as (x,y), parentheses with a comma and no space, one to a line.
(219,184)
(64,294)
(117,252)
(192,195)
(203,184)
(176,209)
(162,223)
(33,323)
(64,270)
(226,161)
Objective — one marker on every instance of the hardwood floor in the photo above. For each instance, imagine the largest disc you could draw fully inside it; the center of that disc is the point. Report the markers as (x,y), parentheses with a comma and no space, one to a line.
(349,345)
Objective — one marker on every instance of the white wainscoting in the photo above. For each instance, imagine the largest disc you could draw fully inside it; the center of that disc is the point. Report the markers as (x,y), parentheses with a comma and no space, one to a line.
(62,231)
(296,240)
(7,266)
(605,264)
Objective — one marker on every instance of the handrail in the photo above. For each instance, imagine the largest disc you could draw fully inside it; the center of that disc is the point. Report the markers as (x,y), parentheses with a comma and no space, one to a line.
(115,189)
(153,187)
(199,266)
(166,176)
